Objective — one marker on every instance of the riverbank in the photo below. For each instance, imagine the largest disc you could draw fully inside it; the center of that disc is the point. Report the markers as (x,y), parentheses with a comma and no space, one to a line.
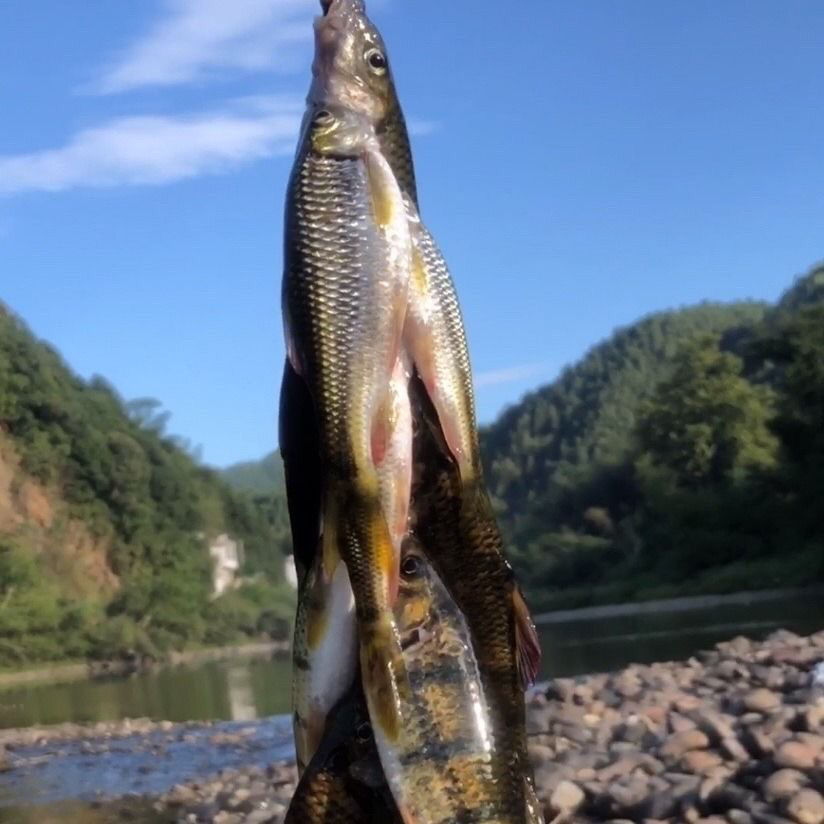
(732,735)
(91,670)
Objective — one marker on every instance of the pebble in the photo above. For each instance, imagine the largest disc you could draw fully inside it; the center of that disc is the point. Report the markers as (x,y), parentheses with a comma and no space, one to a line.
(761,700)
(795,754)
(782,784)
(806,807)
(700,761)
(734,735)
(681,742)
(567,797)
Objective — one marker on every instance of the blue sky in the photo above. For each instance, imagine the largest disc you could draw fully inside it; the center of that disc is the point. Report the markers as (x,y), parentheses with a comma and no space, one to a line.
(582,163)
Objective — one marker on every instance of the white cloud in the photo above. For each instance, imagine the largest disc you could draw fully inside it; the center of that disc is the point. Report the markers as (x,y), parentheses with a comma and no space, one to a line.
(198,37)
(511,374)
(422,128)
(152,150)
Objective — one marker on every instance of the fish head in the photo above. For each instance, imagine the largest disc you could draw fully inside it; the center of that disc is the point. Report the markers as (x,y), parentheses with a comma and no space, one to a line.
(351,67)
(418,595)
(336,130)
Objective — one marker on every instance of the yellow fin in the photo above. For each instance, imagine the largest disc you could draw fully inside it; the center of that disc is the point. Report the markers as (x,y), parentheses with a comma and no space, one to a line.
(330,545)
(384,205)
(384,675)
(420,277)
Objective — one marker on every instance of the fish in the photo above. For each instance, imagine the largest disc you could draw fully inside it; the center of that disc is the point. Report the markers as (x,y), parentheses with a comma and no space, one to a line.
(454,520)
(346,40)
(347,258)
(323,654)
(344,783)
(434,335)
(352,68)
(442,768)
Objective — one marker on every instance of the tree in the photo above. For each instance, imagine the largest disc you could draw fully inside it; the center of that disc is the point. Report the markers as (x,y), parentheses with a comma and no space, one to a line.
(706,423)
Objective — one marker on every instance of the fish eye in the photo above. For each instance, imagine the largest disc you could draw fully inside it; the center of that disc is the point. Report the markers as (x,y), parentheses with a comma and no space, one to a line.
(363,732)
(411,567)
(323,117)
(376,60)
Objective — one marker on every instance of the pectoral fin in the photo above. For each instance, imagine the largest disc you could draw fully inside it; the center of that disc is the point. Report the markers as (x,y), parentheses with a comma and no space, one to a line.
(527,645)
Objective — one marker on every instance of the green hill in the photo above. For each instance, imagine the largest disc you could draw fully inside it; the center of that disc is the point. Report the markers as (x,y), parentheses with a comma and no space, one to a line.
(568,434)
(674,458)
(678,456)
(106,522)
(260,477)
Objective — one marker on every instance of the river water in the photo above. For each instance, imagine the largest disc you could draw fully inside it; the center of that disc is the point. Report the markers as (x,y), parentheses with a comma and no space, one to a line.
(573,643)
(238,693)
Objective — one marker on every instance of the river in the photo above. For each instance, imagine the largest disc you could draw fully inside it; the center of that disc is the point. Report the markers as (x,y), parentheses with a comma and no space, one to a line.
(573,643)
(61,782)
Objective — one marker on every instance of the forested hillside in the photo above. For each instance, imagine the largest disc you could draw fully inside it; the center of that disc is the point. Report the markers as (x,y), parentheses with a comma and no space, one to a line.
(105,523)
(260,477)
(682,455)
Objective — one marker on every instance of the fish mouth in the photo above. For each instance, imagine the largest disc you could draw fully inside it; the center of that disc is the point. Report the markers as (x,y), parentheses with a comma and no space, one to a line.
(339,7)
(335,78)
(339,16)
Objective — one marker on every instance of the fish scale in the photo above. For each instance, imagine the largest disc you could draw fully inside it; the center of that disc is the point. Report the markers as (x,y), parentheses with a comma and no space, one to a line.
(347,257)
(455,523)
(451,490)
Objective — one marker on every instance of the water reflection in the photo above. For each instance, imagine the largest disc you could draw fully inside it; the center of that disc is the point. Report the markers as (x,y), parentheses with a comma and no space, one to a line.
(239,690)
(245,690)
(604,644)
(67,813)
(242,704)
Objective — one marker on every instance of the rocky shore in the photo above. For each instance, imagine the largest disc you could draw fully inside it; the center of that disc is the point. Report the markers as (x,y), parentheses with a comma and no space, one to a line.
(732,735)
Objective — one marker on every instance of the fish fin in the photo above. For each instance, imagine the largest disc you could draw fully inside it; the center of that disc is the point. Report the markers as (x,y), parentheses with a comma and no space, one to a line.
(330,546)
(384,205)
(308,736)
(384,552)
(382,669)
(317,617)
(527,645)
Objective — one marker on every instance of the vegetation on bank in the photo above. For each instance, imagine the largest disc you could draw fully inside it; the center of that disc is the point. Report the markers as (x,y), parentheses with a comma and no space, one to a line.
(104,536)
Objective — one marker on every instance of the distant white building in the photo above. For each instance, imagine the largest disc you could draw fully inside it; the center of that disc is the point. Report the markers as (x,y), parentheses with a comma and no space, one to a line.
(227,559)
(290,573)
